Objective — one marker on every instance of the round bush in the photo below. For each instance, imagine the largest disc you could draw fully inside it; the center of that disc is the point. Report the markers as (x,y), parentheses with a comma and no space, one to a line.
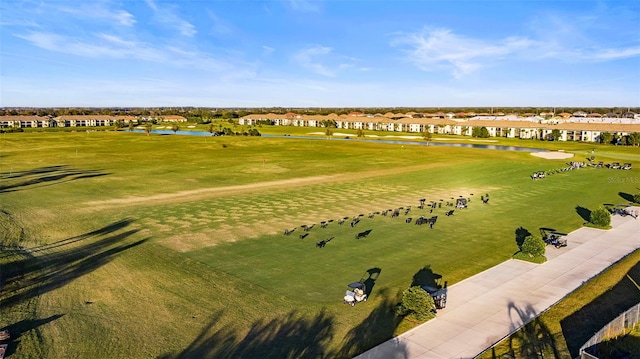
(417,303)
(534,246)
(600,217)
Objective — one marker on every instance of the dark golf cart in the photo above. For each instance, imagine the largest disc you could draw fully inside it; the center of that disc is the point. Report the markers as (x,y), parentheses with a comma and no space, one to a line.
(553,237)
(439,295)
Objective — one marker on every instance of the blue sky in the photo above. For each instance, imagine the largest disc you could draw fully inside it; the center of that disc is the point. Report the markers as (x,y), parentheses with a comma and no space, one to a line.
(315,53)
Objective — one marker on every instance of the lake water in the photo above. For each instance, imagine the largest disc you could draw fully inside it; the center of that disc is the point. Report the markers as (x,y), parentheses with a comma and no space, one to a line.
(395,142)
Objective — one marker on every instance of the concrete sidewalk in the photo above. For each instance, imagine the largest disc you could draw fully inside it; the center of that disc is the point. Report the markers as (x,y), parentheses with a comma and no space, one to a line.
(491,305)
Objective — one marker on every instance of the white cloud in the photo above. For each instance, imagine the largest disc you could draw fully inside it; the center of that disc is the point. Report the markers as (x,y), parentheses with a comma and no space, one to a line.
(220,26)
(42,14)
(614,54)
(267,50)
(168,16)
(305,5)
(310,58)
(441,49)
(103,45)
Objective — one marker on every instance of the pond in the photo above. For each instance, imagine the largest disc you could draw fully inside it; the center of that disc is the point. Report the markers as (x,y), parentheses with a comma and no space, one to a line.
(395,142)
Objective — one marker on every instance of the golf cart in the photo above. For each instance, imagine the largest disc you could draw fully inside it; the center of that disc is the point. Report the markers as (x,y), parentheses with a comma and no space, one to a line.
(355,293)
(551,236)
(439,295)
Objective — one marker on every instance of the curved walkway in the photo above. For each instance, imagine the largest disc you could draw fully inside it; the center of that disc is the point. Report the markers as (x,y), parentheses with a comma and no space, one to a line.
(483,309)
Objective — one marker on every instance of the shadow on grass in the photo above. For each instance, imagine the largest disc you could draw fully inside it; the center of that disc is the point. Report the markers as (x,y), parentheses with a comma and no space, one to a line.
(19,329)
(377,328)
(28,274)
(369,279)
(580,326)
(44,176)
(521,233)
(626,196)
(534,339)
(584,213)
(426,277)
(293,336)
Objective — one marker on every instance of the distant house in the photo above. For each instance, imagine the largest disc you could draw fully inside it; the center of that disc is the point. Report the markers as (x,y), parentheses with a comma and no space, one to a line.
(173,118)
(579,114)
(587,129)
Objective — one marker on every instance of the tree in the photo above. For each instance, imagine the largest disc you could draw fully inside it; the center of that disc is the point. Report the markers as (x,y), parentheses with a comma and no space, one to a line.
(360,133)
(427,136)
(328,132)
(606,137)
(130,125)
(634,139)
(555,134)
(480,132)
(600,217)
(533,245)
(416,303)
(119,124)
(175,128)
(147,129)
(636,198)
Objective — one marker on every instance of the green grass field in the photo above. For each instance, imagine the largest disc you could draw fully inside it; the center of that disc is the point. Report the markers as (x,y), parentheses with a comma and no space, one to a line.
(173,246)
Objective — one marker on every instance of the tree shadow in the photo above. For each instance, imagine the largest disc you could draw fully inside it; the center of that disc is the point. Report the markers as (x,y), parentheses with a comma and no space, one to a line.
(581,325)
(585,213)
(31,273)
(534,339)
(44,176)
(377,328)
(426,277)
(19,329)
(626,196)
(521,234)
(293,336)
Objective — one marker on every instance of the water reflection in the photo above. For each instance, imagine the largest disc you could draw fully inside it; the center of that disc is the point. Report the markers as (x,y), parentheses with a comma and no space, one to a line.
(395,142)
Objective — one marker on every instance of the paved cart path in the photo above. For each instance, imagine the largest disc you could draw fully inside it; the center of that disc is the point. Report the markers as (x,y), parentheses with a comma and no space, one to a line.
(489,306)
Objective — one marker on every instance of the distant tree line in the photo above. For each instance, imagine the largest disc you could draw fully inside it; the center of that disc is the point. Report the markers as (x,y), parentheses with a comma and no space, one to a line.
(207,114)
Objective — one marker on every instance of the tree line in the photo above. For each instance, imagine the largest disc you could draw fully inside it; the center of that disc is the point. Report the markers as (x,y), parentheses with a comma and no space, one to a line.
(204,114)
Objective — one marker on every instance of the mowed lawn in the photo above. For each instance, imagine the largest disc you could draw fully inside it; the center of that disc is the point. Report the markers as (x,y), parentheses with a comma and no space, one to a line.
(173,246)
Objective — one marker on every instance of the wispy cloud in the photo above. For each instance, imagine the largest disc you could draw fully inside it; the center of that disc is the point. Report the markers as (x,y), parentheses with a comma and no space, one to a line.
(42,13)
(267,50)
(99,11)
(220,26)
(167,15)
(305,5)
(103,45)
(615,54)
(321,60)
(441,49)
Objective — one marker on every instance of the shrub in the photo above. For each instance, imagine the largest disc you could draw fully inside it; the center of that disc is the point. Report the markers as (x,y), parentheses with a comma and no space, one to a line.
(636,198)
(600,217)
(416,303)
(481,132)
(533,246)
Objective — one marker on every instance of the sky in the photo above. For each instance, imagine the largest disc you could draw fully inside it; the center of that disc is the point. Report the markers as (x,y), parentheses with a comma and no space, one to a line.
(319,53)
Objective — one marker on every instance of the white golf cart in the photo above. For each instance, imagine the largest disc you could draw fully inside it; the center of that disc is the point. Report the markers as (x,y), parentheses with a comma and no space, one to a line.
(355,293)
